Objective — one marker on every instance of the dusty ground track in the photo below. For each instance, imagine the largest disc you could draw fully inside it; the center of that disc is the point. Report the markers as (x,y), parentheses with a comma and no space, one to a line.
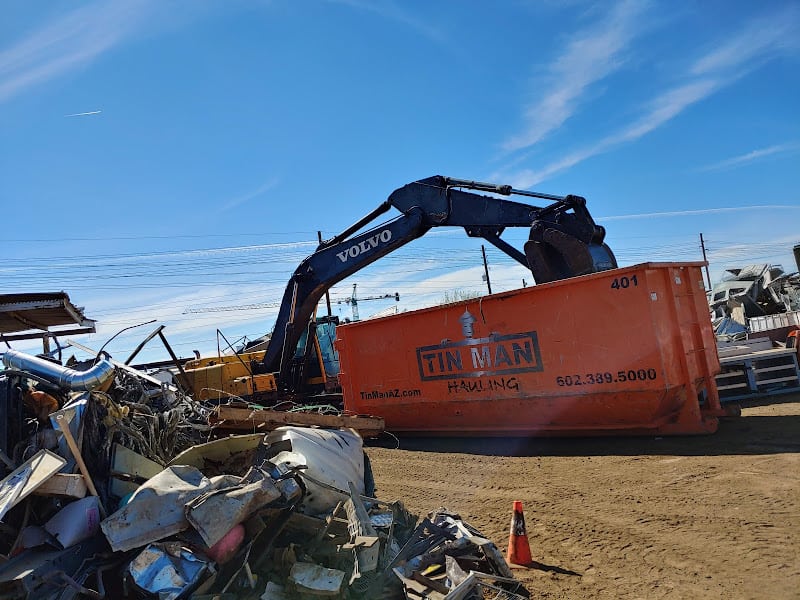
(691,517)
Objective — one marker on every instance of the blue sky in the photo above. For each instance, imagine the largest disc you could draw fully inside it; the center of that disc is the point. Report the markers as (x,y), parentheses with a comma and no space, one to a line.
(164,156)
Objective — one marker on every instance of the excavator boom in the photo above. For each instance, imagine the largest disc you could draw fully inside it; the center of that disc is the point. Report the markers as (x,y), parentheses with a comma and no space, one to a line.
(564,242)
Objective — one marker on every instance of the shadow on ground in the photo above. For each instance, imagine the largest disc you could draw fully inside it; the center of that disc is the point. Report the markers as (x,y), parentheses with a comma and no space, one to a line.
(745,435)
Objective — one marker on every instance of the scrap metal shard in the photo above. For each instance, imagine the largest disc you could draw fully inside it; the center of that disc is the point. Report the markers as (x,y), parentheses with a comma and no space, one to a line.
(156,510)
(215,513)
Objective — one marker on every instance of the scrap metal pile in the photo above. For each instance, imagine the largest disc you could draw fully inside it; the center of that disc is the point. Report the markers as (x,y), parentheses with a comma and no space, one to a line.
(114,486)
(750,292)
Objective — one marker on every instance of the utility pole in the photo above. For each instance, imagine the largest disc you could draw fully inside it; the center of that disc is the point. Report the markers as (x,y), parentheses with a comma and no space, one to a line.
(703,247)
(327,293)
(486,269)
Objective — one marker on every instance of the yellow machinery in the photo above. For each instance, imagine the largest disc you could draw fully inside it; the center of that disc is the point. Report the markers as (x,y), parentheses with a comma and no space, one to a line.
(315,369)
(220,377)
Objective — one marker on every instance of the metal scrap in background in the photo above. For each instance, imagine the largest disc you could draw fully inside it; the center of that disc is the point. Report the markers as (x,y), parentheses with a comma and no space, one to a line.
(756,312)
(746,296)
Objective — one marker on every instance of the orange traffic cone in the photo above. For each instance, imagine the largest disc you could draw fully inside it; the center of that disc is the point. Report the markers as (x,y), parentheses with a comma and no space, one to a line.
(519,550)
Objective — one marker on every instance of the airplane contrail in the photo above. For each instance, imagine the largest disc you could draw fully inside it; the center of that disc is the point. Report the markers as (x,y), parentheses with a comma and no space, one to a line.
(83,114)
(702,211)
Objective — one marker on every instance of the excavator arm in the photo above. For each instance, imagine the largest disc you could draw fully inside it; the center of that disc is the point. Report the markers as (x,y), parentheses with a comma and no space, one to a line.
(564,242)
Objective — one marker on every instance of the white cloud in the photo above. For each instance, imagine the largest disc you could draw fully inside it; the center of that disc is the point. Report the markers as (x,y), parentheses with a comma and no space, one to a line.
(702,211)
(67,43)
(662,109)
(239,200)
(776,251)
(182,330)
(390,10)
(749,157)
(762,39)
(590,57)
(708,75)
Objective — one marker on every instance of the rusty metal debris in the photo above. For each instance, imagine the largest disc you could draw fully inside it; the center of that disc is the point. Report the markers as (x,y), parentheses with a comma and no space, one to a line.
(286,512)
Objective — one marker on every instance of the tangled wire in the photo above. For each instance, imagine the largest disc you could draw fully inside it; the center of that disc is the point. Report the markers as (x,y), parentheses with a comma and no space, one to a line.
(156,423)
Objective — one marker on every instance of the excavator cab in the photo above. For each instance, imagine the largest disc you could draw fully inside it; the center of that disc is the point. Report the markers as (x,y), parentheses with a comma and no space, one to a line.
(315,366)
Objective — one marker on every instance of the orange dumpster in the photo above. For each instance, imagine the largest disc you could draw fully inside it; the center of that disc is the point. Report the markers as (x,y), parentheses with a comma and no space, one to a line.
(627,351)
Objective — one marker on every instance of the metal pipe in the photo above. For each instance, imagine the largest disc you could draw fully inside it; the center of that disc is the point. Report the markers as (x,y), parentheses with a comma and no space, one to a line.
(385,206)
(63,377)
(505,190)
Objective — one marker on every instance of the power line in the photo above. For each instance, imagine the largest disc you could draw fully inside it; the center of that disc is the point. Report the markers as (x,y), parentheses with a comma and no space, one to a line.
(155,237)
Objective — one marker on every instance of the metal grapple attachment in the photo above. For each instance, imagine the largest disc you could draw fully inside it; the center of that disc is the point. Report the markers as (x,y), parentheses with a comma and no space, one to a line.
(565,242)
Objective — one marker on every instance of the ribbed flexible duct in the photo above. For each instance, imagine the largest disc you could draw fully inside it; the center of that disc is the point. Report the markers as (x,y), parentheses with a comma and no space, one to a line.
(79,381)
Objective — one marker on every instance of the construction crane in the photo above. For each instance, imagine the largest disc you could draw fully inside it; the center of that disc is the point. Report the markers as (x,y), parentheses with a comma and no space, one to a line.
(353,300)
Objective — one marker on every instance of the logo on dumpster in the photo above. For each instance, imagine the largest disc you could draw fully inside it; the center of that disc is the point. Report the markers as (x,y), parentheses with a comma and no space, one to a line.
(493,355)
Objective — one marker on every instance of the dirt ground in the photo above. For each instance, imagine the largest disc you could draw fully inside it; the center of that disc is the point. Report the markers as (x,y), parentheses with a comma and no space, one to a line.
(691,517)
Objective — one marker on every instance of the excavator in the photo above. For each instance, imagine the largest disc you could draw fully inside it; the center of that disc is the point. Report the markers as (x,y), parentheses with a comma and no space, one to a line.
(300,361)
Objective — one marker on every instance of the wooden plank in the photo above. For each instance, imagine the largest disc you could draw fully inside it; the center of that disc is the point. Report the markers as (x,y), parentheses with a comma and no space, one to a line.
(63,425)
(65,485)
(245,419)
(416,589)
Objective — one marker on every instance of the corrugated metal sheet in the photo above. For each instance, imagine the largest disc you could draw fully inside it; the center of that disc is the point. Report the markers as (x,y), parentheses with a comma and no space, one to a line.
(42,311)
